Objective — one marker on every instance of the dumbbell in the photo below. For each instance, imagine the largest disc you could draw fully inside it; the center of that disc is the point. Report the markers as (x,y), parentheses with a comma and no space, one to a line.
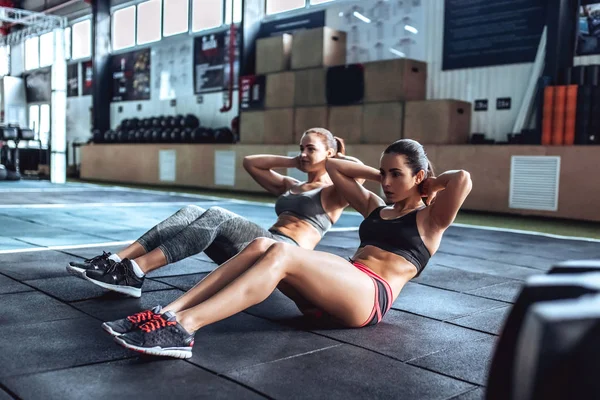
(148,136)
(97,136)
(108,136)
(163,121)
(122,136)
(191,121)
(224,135)
(125,124)
(134,123)
(176,135)
(156,135)
(186,135)
(165,135)
(203,135)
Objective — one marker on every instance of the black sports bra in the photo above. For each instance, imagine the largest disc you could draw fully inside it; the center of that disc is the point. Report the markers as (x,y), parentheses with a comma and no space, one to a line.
(399,236)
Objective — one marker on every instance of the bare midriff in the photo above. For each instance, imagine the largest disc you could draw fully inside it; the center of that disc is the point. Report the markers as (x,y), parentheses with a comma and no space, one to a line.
(306,235)
(394,269)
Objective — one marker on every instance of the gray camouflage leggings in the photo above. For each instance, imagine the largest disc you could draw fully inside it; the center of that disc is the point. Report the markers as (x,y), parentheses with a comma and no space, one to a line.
(216,231)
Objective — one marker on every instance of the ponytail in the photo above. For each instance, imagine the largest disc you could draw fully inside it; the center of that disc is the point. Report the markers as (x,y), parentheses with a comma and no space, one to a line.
(430,171)
(340,145)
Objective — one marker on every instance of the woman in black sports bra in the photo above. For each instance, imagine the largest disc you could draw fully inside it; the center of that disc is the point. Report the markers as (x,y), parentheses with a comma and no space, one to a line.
(397,241)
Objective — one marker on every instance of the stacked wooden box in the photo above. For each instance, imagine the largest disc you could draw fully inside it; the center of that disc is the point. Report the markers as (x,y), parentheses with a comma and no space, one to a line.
(292,77)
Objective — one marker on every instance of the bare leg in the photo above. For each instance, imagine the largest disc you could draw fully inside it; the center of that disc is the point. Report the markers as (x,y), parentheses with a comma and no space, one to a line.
(132,251)
(222,276)
(151,261)
(324,279)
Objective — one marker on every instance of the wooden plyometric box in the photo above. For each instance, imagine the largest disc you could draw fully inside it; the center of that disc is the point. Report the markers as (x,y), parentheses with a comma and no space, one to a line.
(279,126)
(310,87)
(280,90)
(382,123)
(319,47)
(273,54)
(252,127)
(438,121)
(309,117)
(347,122)
(395,80)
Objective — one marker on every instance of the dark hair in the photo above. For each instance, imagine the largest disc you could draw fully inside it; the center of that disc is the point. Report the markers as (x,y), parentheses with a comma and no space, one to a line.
(415,156)
(332,142)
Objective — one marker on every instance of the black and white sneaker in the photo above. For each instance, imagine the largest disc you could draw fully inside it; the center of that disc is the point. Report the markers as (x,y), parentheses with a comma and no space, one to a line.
(98,263)
(132,322)
(119,277)
(162,336)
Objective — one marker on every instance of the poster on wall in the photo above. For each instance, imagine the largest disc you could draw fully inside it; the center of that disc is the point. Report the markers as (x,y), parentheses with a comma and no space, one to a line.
(131,76)
(72,80)
(38,88)
(588,36)
(211,62)
(87,71)
(380,30)
(172,69)
(481,33)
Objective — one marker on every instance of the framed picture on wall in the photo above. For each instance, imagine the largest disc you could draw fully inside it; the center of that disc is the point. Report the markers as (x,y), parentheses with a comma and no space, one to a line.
(588,35)
(87,71)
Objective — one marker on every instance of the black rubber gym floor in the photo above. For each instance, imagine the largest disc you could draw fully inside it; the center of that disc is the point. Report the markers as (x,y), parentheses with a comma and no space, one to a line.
(435,343)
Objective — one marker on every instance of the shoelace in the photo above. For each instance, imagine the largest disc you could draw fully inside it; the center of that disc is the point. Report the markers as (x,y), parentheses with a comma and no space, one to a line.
(112,266)
(142,316)
(104,256)
(156,323)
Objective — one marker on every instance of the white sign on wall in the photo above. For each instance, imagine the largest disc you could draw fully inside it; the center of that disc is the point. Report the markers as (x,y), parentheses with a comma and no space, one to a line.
(380,29)
(225,167)
(167,165)
(172,63)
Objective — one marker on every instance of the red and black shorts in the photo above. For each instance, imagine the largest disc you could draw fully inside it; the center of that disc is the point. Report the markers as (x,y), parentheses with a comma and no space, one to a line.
(383,295)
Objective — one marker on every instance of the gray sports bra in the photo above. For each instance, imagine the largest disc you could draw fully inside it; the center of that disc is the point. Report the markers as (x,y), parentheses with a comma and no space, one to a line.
(306,206)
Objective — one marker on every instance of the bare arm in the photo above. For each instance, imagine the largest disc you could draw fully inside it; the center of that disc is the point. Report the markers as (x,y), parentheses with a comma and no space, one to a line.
(345,176)
(453,188)
(261,166)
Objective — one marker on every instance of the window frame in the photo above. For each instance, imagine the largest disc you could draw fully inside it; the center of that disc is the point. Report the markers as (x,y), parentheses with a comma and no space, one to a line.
(189,31)
(25,67)
(73,23)
(137,13)
(189,22)
(296,11)
(112,27)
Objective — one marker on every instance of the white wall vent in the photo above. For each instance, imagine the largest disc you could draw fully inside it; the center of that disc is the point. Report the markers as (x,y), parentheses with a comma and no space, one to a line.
(534,182)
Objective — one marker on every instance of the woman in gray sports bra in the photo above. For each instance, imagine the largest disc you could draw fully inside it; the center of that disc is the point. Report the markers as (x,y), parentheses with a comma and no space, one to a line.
(305,210)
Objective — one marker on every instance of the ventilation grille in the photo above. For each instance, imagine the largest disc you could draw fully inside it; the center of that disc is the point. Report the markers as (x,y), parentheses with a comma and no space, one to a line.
(534,182)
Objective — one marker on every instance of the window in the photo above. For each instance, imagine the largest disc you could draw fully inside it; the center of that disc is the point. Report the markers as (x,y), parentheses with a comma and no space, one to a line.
(149,21)
(277,6)
(206,14)
(46,49)
(4,60)
(176,17)
(44,123)
(67,43)
(32,53)
(81,39)
(319,1)
(123,28)
(237,11)
(34,119)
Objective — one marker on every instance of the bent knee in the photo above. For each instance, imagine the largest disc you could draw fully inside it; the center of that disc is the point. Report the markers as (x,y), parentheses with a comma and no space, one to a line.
(261,244)
(191,212)
(279,249)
